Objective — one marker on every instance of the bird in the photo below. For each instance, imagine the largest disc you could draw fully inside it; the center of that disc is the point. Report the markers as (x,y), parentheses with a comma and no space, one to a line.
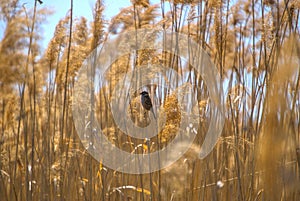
(146,101)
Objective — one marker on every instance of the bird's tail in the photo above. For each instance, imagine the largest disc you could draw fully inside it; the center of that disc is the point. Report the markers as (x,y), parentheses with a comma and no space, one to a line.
(153,113)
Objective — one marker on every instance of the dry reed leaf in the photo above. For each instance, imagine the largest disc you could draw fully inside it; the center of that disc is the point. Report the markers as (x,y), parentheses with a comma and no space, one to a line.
(275,138)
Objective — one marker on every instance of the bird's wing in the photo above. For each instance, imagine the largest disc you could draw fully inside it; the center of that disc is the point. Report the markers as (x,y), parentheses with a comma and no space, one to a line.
(148,101)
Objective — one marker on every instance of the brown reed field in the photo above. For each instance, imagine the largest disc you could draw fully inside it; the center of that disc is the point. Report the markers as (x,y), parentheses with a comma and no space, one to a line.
(255,46)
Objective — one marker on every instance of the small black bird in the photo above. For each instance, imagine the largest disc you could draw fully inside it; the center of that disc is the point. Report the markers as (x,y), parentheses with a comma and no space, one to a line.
(146,101)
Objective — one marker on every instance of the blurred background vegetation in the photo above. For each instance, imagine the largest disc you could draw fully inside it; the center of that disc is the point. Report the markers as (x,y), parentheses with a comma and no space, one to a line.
(255,47)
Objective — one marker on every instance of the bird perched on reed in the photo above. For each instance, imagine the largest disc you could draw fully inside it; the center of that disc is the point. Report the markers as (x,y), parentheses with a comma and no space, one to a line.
(146,102)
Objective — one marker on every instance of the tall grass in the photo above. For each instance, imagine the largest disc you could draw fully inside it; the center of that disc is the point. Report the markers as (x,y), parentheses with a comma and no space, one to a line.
(255,46)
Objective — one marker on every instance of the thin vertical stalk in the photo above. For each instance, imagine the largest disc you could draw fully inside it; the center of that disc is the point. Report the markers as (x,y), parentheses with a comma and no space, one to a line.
(65,98)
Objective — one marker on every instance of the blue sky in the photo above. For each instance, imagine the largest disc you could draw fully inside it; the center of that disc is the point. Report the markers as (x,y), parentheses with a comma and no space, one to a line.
(80,8)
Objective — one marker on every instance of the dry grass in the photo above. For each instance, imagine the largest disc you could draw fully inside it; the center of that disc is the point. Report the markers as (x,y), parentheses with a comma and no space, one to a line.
(254,45)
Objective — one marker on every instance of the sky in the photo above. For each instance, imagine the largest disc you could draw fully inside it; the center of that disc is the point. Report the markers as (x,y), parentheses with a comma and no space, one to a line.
(80,8)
